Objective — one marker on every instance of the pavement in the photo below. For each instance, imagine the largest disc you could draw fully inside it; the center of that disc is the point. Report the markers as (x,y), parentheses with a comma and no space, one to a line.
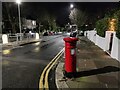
(15,44)
(95,69)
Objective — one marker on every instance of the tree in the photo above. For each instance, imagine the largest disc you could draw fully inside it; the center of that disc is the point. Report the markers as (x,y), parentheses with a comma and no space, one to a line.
(10,13)
(78,17)
(42,18)
(47,19)
(52,23)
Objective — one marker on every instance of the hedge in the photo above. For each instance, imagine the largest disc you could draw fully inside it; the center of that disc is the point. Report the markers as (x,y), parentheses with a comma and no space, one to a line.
(118,30)
(102,26)
(117,16)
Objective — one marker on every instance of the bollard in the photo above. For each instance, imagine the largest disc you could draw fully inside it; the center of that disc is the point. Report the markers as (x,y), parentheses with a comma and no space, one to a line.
(37,36)
(4,39)
(70,56)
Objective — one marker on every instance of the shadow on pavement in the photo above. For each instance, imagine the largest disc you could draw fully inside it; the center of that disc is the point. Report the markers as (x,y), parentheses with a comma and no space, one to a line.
(106,69)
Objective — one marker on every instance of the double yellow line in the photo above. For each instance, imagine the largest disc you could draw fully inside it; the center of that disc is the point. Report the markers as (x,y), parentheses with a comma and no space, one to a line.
(43,83)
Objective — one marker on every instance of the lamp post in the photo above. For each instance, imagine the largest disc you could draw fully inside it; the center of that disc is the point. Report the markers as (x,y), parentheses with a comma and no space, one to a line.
(19,2)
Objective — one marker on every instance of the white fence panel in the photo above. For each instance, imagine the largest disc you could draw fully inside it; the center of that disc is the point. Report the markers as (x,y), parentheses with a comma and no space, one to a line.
(92,36)
(115,53)
(100,41)
(104,43)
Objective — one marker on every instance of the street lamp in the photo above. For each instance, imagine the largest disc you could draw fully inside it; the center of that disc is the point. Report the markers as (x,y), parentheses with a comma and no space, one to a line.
(71,6)
(19,2)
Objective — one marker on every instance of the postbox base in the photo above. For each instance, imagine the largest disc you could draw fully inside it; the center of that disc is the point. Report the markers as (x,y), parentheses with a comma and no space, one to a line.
(69,74)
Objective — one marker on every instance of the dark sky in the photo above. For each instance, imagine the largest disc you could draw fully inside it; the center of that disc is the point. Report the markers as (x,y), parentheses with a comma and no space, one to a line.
(59,9)
(62,9)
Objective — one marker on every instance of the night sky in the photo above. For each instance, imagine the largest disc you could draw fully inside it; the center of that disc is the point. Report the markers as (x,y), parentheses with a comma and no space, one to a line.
(62,9)
(59,9)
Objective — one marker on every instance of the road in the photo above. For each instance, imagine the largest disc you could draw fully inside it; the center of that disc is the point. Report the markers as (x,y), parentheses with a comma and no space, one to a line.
(22,66)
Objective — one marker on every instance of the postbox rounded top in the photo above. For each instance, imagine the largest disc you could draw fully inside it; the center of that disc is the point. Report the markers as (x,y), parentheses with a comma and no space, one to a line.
(70,39)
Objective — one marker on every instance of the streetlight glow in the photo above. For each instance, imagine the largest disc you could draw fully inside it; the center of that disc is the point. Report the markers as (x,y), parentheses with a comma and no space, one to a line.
(18,1)
(71,5)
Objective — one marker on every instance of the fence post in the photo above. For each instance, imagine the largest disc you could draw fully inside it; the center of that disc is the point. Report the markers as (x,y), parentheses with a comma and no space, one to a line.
(16,38)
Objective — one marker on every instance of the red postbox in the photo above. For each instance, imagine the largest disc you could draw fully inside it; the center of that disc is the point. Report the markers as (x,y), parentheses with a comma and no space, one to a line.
(70,56)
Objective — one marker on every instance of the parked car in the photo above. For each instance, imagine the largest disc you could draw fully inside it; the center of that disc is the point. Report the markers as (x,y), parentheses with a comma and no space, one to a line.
(59,32)
(29,33)
(51,33)
(45,33)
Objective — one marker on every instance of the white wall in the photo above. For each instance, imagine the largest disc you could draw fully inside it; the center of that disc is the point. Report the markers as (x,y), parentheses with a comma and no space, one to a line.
(100,41)
(104,43)
(115,53)
(92,36)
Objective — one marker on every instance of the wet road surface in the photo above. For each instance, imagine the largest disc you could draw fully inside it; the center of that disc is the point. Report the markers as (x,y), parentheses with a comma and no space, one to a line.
(22,66)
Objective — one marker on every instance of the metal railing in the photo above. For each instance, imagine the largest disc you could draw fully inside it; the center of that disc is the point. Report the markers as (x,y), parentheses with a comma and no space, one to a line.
(16,37)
